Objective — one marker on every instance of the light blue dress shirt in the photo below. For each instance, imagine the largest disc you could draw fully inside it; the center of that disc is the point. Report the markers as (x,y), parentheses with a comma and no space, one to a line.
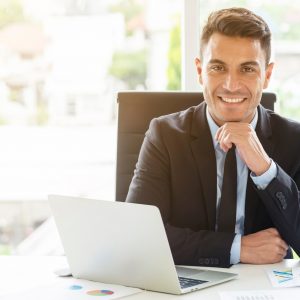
(242,176)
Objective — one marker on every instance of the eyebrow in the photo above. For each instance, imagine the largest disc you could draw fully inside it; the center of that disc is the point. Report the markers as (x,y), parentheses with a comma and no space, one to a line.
(216,61)
(247,63)
(251,63)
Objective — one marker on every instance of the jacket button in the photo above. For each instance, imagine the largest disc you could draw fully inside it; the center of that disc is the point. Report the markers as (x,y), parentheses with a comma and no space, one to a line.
(283,203)
(280,196)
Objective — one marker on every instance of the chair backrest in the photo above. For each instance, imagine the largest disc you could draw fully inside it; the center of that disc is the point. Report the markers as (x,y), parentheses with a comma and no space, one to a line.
(135,111)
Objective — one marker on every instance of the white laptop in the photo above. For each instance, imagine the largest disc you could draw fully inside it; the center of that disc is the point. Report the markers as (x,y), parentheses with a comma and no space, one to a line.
(123,243)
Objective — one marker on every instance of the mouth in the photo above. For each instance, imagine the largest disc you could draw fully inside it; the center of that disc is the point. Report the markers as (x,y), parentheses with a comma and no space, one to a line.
(232,100)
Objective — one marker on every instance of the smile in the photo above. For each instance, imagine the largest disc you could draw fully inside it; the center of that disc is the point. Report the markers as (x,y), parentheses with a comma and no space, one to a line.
(232,100)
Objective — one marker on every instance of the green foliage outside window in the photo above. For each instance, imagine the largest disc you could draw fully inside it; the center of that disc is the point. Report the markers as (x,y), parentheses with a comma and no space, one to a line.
(5,250)
(130,67)
(10,11)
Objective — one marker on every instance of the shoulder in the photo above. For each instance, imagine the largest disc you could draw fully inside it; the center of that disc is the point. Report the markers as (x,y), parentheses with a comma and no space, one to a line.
(179,122)
(282,126)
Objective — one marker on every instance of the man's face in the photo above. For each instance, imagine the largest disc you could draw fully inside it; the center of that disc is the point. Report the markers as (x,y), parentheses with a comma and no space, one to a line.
(233,73)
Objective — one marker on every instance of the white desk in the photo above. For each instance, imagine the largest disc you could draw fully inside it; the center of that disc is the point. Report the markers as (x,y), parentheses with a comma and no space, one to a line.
(19,272)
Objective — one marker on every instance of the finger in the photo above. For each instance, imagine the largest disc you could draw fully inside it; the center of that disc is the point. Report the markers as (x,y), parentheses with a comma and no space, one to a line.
(280,243)
(278,258)
(284,245)
(226,142)
(224,147)
(218,133)
(281,252)
(222,132)
(220,137)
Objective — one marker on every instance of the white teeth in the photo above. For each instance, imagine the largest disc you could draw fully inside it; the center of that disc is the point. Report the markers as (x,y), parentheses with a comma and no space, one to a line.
(232,100)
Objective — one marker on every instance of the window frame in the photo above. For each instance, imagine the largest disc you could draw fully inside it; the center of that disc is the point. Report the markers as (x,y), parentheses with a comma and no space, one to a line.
(190,45)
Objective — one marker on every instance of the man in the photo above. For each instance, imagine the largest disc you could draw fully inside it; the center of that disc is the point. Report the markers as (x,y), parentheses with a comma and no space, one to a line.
(181,167)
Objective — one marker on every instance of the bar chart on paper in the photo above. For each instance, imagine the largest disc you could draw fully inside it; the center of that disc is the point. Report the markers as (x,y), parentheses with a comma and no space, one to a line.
(284,278)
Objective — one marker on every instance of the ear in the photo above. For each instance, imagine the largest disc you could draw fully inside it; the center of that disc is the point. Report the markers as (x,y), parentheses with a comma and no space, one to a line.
(269,71)
(199,69)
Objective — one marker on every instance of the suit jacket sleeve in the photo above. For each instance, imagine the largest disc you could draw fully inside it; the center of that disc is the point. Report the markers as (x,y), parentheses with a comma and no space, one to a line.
(282,199)
(151,184)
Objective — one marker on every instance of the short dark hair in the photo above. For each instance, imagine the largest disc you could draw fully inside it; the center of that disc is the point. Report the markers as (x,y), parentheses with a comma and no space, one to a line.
(237,22)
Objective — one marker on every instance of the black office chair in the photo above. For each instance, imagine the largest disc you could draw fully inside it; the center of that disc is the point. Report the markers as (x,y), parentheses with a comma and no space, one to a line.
(135,111)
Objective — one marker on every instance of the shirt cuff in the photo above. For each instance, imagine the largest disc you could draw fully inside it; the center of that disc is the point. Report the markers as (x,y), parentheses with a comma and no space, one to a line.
(264,179)
(235,252)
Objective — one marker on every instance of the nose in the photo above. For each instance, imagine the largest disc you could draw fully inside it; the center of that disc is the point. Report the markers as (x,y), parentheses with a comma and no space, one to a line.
(232,82)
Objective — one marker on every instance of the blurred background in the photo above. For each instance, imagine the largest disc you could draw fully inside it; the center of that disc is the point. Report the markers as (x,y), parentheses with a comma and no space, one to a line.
(61,65)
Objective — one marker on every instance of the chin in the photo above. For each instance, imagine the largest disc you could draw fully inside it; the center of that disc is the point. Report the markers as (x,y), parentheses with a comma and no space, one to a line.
(225,119)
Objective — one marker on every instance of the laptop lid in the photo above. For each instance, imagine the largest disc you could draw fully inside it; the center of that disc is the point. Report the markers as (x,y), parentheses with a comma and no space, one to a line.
(119,243)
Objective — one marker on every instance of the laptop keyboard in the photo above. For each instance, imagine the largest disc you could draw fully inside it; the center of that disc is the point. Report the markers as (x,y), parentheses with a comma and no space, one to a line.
(188,282)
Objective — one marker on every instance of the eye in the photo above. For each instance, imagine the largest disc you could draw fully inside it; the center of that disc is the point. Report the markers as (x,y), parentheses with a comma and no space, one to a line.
(217,68)
(248,69)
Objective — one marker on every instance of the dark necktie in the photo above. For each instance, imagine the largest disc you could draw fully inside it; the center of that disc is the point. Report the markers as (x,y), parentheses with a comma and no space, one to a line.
(227,209)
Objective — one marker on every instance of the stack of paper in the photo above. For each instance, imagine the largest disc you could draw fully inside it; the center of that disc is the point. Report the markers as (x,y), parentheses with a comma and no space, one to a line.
(285,277)
(72,289)
(282,278)
(290,294)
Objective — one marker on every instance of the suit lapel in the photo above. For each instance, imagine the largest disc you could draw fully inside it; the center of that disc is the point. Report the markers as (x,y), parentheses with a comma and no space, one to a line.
(264,133)
(204,154)
(264,130)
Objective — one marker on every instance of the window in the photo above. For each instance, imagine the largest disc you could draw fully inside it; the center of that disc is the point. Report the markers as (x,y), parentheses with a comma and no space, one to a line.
(62,62)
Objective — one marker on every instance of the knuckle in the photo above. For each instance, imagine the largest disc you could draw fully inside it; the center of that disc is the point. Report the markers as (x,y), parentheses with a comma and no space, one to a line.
(273,231)
(277,240)
(225,126)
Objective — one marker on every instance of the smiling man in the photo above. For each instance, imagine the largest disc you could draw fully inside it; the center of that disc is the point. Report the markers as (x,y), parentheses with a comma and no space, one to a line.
(226,173)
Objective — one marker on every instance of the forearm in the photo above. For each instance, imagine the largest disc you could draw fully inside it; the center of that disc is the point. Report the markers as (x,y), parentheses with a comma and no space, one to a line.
(200,248)
(281,198)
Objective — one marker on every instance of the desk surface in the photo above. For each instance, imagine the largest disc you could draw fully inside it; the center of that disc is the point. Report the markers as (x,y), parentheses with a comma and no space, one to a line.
(19,272)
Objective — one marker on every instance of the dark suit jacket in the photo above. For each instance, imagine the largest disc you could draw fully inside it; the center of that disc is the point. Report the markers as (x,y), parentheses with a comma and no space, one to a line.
(176,171)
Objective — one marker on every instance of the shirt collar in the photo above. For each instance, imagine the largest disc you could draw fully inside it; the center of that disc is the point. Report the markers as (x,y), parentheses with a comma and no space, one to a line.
(214,127)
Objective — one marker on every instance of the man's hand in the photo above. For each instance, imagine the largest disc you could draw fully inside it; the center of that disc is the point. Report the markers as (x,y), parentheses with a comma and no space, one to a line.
(247,143)
(263,247)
